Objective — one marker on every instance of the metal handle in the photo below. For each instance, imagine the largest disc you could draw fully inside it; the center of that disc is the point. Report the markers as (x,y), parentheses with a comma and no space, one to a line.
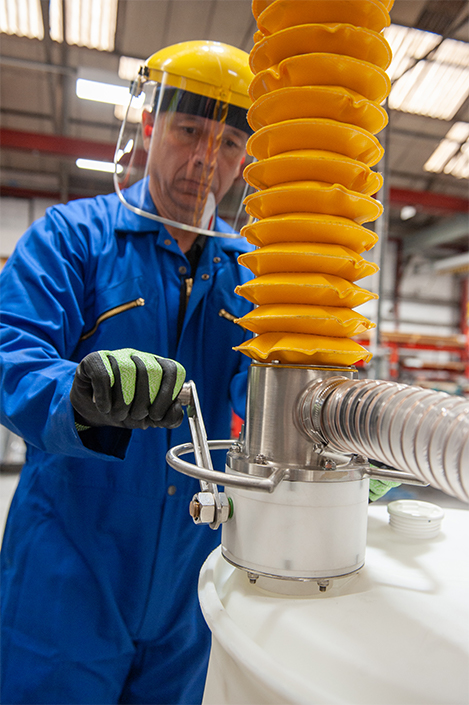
(249,482)
(188,397)
(200,446)
(395,476)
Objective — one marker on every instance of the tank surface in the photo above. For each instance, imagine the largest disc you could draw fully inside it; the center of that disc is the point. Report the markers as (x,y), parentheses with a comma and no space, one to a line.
(396,632)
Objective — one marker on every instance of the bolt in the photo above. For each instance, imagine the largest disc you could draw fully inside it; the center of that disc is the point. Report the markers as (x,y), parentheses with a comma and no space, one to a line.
(318,447)
(328,464)
(253,577)
(323,585)
(260,459)
(194,509)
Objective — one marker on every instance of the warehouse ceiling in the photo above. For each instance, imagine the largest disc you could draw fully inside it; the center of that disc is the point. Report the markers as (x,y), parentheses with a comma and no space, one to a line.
(46,127)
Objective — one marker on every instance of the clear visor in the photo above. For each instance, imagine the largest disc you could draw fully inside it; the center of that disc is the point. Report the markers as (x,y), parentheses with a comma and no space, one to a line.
(180,157)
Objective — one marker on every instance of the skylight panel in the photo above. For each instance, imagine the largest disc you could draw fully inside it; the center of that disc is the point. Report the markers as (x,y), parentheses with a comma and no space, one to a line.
(452,154)
(56,20)
(453,52)
(22,17)
(91,23)
(459,132)
(88,23)
(436,86)
(458,165)
(407,45)
(445,150)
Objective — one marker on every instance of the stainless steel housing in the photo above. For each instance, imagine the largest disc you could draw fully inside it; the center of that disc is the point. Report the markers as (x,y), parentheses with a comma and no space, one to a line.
(313,526)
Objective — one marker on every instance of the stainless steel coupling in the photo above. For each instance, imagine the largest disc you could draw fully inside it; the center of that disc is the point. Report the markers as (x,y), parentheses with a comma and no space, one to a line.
(310,405)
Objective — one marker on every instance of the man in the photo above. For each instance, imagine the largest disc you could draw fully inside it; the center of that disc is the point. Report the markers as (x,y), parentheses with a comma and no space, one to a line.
(100,556)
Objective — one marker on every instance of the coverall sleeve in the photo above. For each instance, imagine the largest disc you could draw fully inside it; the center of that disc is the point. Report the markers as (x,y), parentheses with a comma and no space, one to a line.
(238,385)
(43,291)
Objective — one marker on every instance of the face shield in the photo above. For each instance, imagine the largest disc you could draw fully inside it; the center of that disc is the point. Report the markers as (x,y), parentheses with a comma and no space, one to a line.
(181,164)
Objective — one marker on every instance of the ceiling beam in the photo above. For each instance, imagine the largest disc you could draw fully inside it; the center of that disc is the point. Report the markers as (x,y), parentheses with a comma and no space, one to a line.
(30,65)
(429,200)
(58,145)
(458,264)
(438,234)
(73,147)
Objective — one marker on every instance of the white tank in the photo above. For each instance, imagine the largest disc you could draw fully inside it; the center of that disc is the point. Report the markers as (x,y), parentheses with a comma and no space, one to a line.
(397,632)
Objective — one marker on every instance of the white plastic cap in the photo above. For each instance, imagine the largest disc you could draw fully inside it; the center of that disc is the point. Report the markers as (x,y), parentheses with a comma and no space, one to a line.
(415,518)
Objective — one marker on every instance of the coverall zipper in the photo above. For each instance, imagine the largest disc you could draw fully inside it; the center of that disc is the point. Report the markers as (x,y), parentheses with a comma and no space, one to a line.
(226,314)
(112,312)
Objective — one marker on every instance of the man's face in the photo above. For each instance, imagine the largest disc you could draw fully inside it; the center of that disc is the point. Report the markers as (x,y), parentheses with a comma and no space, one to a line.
(191,156)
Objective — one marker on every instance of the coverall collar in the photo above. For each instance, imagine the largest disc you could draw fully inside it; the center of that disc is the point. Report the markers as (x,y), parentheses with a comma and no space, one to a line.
(127,221)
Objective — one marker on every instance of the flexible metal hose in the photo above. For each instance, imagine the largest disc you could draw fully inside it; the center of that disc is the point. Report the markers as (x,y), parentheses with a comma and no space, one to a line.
(405,427)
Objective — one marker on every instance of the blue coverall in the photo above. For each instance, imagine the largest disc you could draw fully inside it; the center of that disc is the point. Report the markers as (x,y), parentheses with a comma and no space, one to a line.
(100,557)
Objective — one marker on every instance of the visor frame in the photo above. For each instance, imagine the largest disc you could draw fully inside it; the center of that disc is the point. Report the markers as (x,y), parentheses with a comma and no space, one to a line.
(141,207)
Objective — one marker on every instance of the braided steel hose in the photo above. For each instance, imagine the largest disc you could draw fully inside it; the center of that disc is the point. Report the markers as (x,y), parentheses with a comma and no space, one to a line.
(407,428)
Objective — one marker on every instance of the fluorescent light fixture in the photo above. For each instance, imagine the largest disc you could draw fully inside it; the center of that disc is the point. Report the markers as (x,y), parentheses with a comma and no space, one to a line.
(129,67)
(408,212)
(97,165)
(458,263)
(435,87)
(22,17)
(106,93)
(134,114)
(91,23)
(101,92)
(452,154)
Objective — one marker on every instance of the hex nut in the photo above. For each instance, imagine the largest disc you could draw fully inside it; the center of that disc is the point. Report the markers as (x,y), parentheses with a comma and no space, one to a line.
(226,508)
(328,464)
(202,508)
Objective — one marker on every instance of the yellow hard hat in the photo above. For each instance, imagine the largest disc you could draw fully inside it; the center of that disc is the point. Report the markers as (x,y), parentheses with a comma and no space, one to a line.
(211,69)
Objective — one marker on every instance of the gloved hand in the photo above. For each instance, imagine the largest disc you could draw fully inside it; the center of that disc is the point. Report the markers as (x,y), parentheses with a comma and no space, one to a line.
(127,388)
(378,488)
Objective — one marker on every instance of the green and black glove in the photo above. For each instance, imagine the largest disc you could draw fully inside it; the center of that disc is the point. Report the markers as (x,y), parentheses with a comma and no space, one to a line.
(127,388)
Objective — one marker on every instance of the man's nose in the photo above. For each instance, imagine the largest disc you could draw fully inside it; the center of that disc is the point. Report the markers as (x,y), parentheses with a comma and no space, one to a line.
(200,152)
(204,150)
(198,157)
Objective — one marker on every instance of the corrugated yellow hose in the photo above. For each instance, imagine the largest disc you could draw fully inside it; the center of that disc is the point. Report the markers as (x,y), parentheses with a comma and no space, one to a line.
(319,80)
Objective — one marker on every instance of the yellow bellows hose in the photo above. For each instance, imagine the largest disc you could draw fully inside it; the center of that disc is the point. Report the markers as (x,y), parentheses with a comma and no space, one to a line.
(319,80)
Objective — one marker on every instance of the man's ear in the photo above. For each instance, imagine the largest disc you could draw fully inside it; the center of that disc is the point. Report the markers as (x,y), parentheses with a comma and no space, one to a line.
(147,129)
(241,165)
